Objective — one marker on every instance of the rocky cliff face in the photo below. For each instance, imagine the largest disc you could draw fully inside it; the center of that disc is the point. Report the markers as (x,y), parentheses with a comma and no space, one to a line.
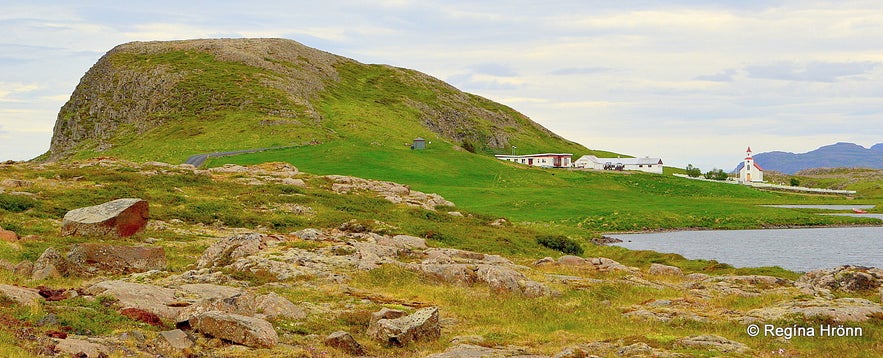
(125,90)
(140,86)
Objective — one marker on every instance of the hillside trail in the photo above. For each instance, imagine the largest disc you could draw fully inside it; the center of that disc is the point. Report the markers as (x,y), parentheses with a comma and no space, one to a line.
(198,160)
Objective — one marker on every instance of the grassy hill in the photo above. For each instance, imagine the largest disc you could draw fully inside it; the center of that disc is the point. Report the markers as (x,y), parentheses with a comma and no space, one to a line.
(169,100)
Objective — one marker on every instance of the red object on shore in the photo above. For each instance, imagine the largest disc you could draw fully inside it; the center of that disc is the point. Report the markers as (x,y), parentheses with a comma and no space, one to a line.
(859,211)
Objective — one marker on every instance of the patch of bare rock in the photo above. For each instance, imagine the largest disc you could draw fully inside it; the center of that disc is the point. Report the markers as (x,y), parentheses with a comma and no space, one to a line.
(86,260)
(600,264)
(476,351)
(344,342)
(393,192)
(738,285)
(23,295)
(239,329)
(347,251)
(837,310)
(394,328)
(847,279)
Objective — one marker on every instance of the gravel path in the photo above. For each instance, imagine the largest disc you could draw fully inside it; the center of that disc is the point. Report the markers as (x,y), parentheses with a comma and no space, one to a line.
(199,159)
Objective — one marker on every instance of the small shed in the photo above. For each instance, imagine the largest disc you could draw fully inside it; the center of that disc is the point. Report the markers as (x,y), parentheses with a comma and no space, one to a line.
(419,144)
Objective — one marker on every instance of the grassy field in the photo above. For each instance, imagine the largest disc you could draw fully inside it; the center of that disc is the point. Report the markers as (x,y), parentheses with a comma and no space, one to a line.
(573,202)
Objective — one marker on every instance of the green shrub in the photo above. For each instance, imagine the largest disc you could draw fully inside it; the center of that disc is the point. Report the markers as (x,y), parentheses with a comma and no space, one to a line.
(16,203)
(437,236)
(560,243)
(468,145)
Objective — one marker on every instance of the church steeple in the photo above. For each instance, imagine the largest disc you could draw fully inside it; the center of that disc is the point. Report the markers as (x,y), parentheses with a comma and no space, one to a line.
(750,172)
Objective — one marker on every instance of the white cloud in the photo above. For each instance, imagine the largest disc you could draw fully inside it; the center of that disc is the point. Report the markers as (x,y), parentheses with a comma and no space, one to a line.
(10,91)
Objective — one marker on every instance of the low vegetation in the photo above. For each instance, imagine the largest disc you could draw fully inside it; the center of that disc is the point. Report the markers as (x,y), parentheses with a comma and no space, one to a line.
(190,210)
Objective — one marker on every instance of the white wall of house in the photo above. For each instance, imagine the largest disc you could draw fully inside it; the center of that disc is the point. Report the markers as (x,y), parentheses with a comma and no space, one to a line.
(649,168)
(646,164)
(539,160)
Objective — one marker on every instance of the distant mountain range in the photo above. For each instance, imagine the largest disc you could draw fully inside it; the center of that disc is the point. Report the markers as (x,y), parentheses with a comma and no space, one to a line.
(830,156)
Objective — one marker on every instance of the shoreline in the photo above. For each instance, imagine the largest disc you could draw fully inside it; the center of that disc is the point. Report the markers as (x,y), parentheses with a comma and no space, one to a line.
(777,227)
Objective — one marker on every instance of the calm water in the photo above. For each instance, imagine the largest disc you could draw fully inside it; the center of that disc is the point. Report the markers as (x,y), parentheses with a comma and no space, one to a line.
(823,207)
(793,249)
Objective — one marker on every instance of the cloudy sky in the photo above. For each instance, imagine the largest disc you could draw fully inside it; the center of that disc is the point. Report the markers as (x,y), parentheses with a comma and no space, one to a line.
(691,81)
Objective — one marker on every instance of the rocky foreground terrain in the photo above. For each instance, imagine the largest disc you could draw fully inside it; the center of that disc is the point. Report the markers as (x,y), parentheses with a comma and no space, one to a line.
(112,279)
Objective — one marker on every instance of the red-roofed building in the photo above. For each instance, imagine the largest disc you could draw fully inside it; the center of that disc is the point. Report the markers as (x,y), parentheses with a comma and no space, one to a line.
(750,172)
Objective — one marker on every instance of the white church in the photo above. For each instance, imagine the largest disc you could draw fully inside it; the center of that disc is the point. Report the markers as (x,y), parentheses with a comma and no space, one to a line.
(750,172)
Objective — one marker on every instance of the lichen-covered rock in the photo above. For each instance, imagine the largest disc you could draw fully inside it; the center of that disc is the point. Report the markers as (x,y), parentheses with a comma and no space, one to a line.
(601,264)
(664,270)
(226,251)
(403,242)
(155,299)
(118,218)
(844,279)
(344,342)
(50,264)
(475,351)
(737,285)
(16,183)
(239,329)
(837,310)
(74,346)
(421,326)
(235,300)
(393,192)
(386,313)
(92,259)
(499,278)
(23,295)
(174,340)
(714,343)
(272,305)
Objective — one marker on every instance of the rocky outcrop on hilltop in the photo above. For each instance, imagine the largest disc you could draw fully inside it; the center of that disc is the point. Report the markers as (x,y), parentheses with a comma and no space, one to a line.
(120,91)
(140,86)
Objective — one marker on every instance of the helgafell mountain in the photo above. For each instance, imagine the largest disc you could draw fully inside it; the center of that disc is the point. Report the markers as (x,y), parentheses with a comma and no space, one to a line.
(169,100)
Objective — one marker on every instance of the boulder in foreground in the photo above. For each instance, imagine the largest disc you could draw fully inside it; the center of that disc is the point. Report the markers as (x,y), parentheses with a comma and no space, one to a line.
(118,218)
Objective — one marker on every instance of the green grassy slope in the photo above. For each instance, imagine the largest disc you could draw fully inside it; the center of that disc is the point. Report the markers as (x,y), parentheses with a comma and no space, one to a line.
(574,202)
(166,102)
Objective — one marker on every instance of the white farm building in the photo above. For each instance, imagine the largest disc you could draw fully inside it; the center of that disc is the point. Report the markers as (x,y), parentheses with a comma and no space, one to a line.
(549,160)
(646,164)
